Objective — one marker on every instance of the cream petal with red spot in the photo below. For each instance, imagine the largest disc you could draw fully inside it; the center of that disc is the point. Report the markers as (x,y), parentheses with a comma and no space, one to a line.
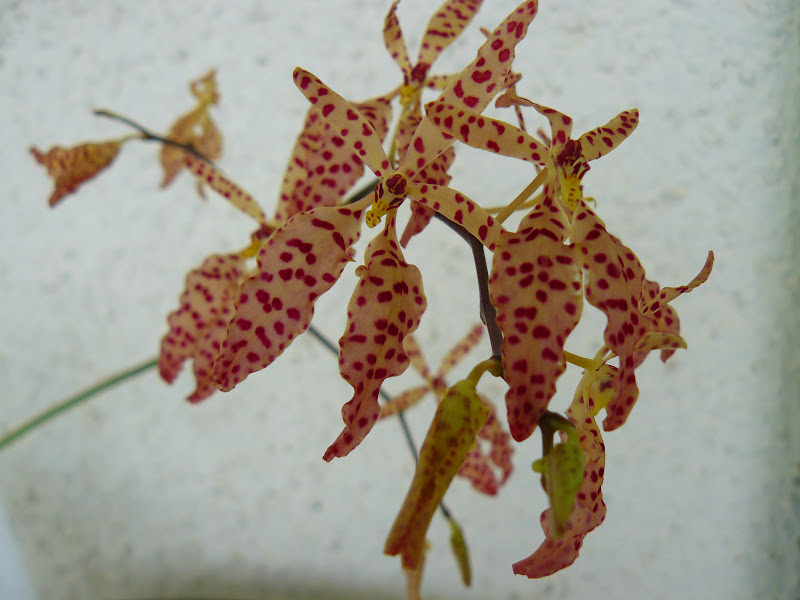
(602,140)
(298,263)
(394,42)
(485,133)
(445,26)
(322,167)
(614,280)
(199,325)
(488,471)
(387,304)
(535,286)
(668,294)
(350,124)
(473,88)
(456,207)
(665,319)
(589,510)
(211,176)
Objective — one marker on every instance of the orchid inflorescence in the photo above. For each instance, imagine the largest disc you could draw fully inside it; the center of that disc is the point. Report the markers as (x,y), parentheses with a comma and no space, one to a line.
(240,310)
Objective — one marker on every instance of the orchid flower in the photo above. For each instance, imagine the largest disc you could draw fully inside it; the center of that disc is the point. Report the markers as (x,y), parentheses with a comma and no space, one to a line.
(565,158)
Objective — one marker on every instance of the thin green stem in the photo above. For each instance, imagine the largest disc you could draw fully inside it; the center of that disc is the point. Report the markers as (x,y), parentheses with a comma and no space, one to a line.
(73,401)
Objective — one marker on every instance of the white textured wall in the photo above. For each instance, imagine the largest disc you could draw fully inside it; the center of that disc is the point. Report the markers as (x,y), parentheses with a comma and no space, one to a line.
(140,494)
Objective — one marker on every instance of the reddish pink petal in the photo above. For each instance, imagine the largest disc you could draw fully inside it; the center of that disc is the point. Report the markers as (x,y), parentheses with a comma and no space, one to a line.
(446,25)
(614,283)
(386,305)
(198,326)
(211,176)
(349,123)
(322,167)
(458,208)
(300,261)
(589,510)
(489,134)
(473,88)
(602,140)
(394,42)
(535,286)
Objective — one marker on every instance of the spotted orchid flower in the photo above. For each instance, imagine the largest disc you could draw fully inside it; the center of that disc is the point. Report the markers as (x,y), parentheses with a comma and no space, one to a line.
(473,89)
(478,467)
(446,24)
(567,159)
(615,283)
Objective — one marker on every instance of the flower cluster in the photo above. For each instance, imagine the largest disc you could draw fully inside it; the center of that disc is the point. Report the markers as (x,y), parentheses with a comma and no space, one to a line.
(240,310)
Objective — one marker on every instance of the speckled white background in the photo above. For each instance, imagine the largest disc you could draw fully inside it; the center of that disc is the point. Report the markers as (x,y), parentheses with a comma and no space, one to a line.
(140,495)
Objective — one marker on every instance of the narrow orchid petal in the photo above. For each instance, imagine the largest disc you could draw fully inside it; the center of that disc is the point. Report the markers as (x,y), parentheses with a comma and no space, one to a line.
(210,175)
(71,167)
(589,510)
(485,472)
(458,418)
(438,82)
(461,349)
(614,279)
(473,88)
(458,208)
(403,401)
(485,133)
(394,42)
(602,140)
(298,263)
(655,340)
(668,294)
(198,327)
(560,127)
(387,305)
(436,172)
(351,125)
(414,353)
(664,320)
(322,168)
(535,286)
(444,27)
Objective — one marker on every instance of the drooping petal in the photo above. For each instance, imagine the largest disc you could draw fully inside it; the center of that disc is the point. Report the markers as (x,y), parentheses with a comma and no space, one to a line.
(210,175)
(444,27)
(394,42)
(322,168)
(458,418)
(194,129)
(350,124)
(473,88)
(488,471)
(614,280)
(198,326)
(535,286)
(387,304)
(589,510)
(70,167)
(456,207)
(602,140)
(300,261)
(485,133)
